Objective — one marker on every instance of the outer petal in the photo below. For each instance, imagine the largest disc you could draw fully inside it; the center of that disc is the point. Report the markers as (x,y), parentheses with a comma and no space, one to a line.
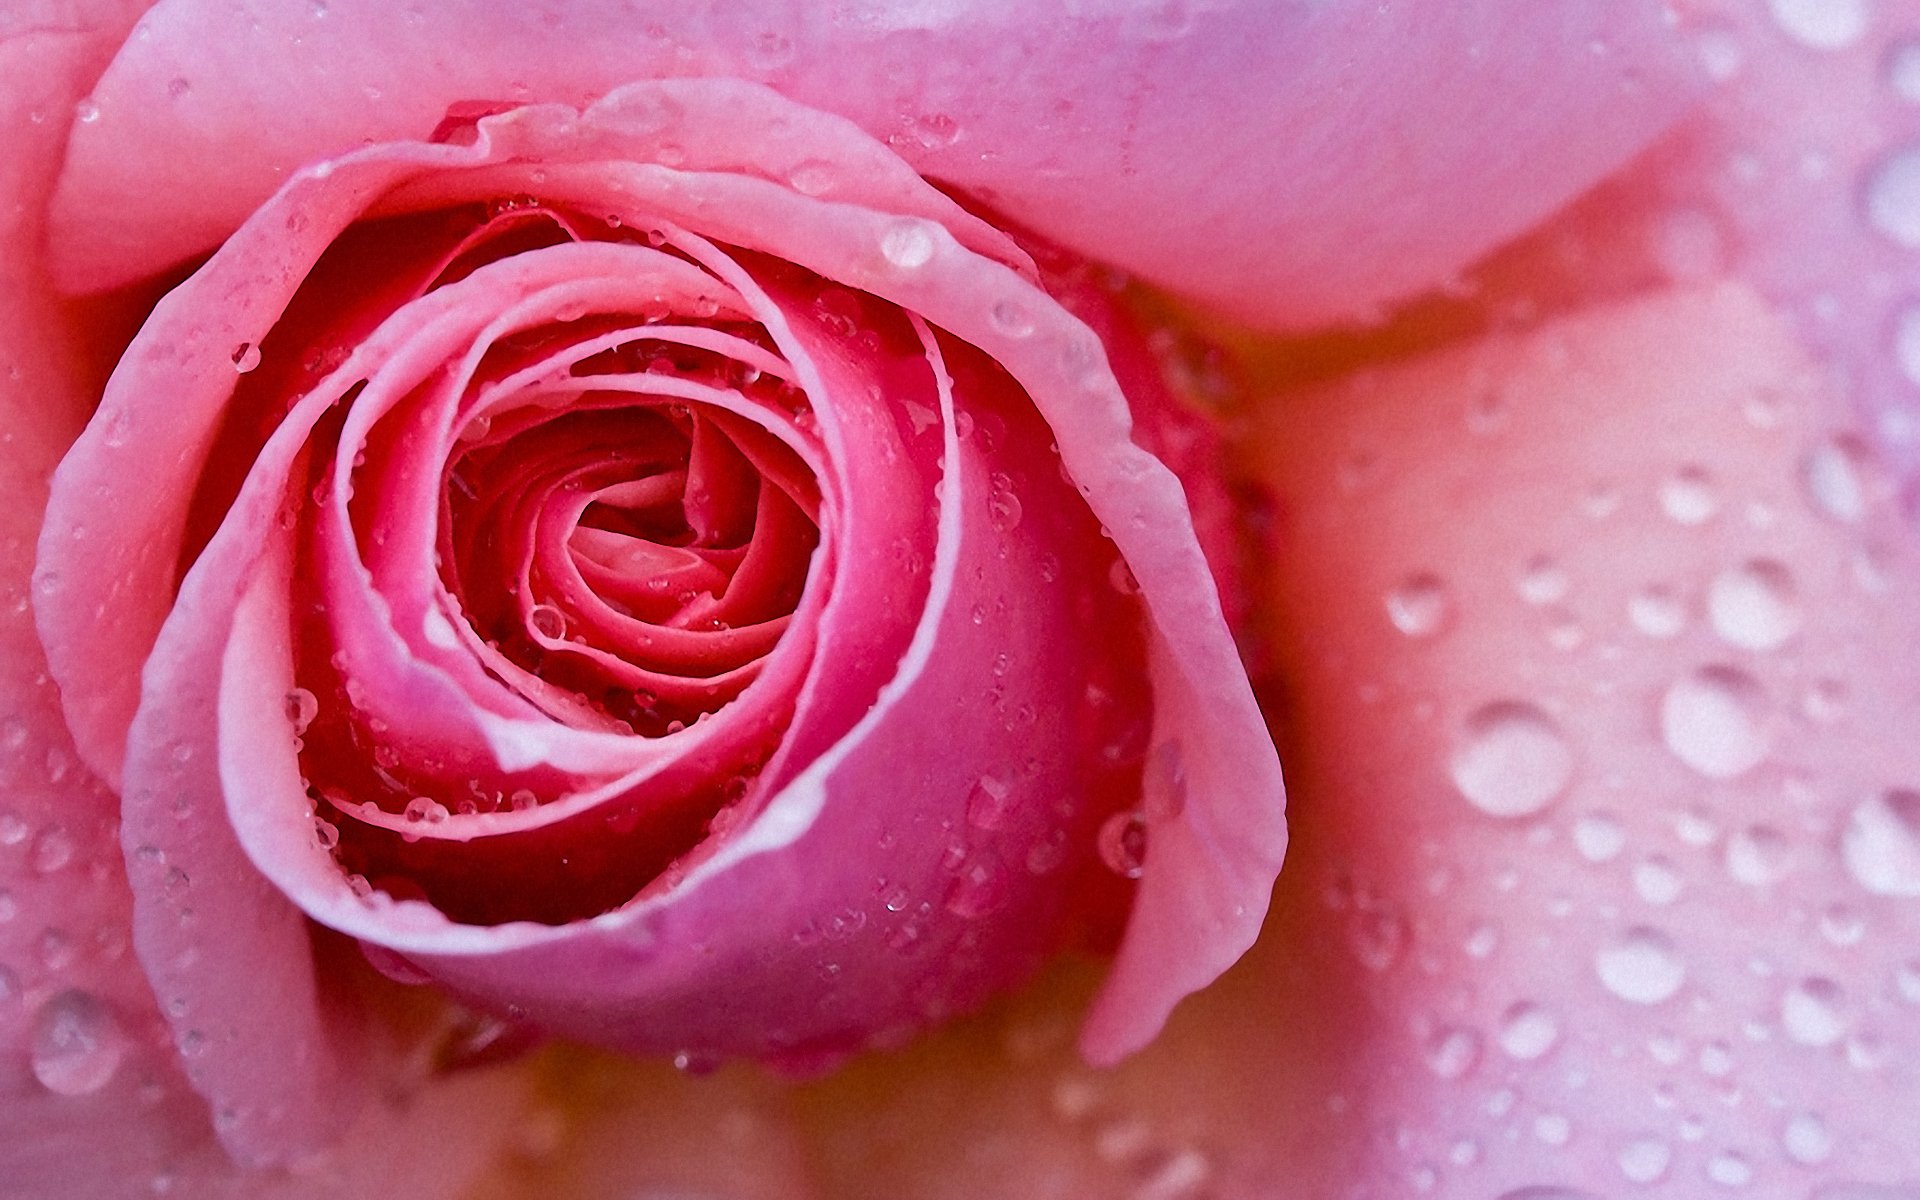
(1342,160)
(94,1099)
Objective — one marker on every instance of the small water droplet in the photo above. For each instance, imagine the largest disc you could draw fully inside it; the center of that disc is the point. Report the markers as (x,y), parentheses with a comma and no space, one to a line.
(988,803)
(1730,1169)
(86,112)
(1542,581)
(1656,880)
(1528,1031)
(1642,966)
(1821,24)
(1123,844)
(1598,837)
(1003,506)
(1713,720)
(1451,1052)
(812,177)
(246,356)
(52,850)
(1892,196)
(1754,606)
(908,244)
(1758,855)
(1807,1140)
(1881,843)
(1512,760)
(1688,496)
(424,810)
(1011,318)
(1644,1159)
(1813,1012)
(1903,70)
(302,706)
(1834,475)
(1656,612)
(1420,606)
(77,1044)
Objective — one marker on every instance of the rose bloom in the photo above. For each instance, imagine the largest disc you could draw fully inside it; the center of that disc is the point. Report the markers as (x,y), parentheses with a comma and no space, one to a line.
(710,599)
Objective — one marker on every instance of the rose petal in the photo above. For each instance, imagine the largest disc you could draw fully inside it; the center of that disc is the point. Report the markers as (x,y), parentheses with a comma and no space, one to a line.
(1344,165)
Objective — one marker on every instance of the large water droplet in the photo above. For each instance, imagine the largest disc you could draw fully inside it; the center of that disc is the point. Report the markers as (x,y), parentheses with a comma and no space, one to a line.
(1512,760)
(1893,197)
(1881,843)
(302,706)
(77,1044)
(1712,720)
(1642,966)
(1420,606)
(1528,1031)
(1821,24)
(1754,606)
(1813,1012)
(246,357)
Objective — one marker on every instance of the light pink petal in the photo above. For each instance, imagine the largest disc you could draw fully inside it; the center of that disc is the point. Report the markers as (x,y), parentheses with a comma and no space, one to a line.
(1597,693)
(1344,162)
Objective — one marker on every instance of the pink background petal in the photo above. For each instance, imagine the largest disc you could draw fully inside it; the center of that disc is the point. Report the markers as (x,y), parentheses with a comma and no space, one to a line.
(1353,152)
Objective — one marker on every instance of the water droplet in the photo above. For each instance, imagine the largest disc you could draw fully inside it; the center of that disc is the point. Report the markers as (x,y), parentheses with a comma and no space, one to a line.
(1376,936)
(1598,837)
(1642,966)
(1688,496)
(1758,855)
(1420,606)
(1003,506)
(1906,978)
(1657,612)
(423,810)
(1512,760)
(1730,1169)
(77,1044)
(1821,24)
(86,112)
(908,244)
(246,356)
(1842,925)
(547,622)
(1903,70)
(1893,197)
(1881,843)
(52,850)
(988,803)
(1906,342)
(1451,1052)
(302,706)
(1754,606)
(1542,581)
(1528,1031)
(1813,1012)
(1011,318)
(812,177)
(1712,720)
(1552,1128)
(1834,474)
(1656,880)
(1644,1159)
(1807,1140)
(1123,844)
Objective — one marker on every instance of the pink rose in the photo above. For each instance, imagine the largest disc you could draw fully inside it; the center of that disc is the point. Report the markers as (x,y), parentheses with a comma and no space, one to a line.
(372,501)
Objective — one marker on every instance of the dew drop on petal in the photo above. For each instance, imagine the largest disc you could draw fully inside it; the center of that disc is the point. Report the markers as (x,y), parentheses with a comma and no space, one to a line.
(1834,474)
(1420,606)
(1807,1140)
(1881,843)
(1598,837)
(1758,855)
(1730,1169)
(1642,966)
(1644,1159)
(1754,606)
(1813,1012)
(1656,612)
(246,356)
(77,1044)
(1903,70)
(988,803)
(302,706)
(1512,759)
(908,244)
(1528,1031)
(1123,844)
(1892,196)
(1011,318)
(1688,496)
(1712,720)
(1821,24)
